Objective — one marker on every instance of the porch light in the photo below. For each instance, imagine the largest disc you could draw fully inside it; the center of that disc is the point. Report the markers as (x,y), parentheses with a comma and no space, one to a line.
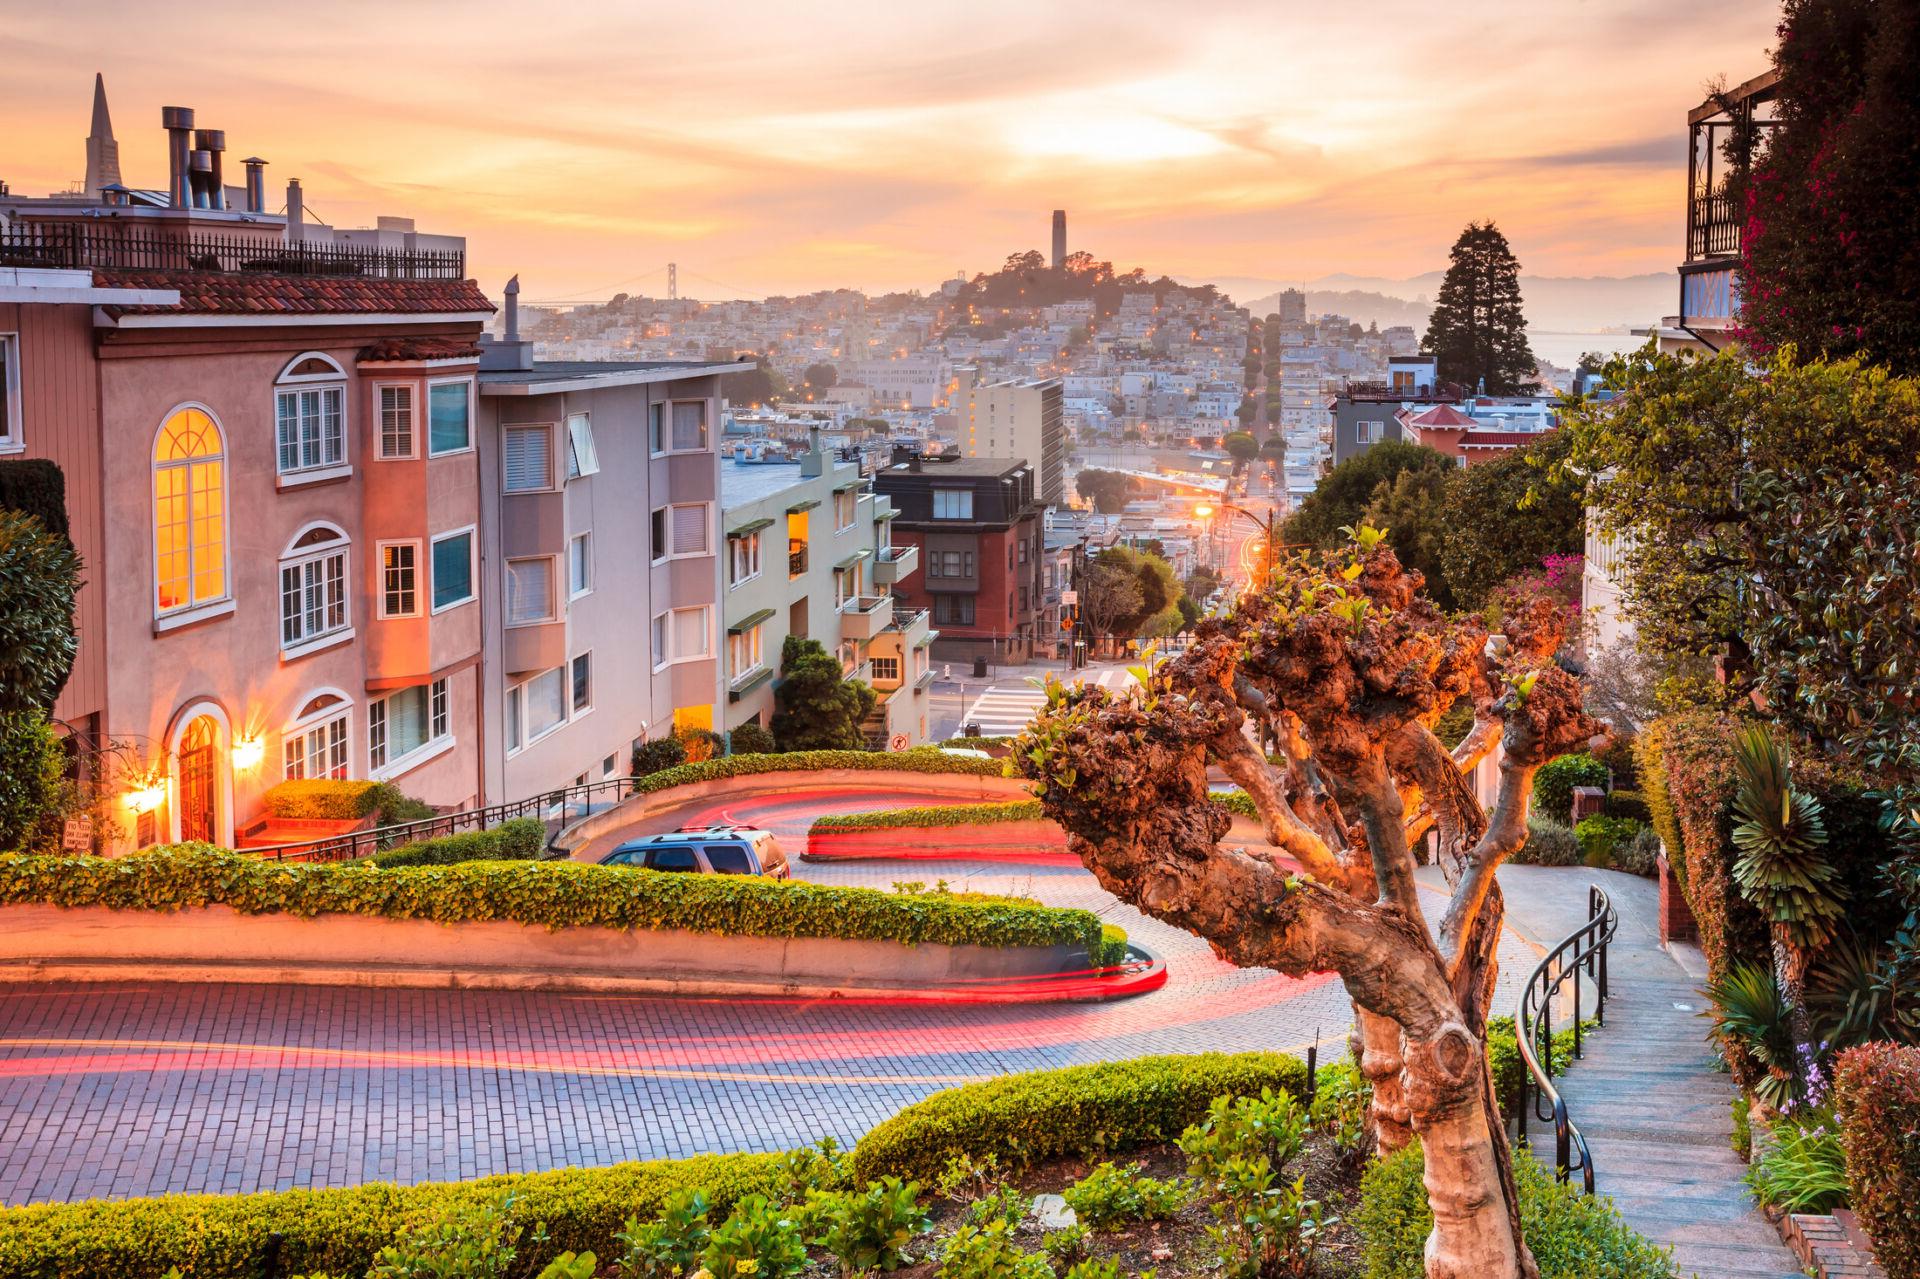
(248,752)
(147,797)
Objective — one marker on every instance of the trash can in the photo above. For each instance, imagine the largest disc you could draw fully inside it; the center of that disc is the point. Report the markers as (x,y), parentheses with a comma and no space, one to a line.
(979,668)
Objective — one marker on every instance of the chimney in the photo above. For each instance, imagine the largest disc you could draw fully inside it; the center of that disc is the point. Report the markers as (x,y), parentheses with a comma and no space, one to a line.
(511,353)
(512,293)
(256,184)
(296,210)
(178,122)
(199,165)
(213,144)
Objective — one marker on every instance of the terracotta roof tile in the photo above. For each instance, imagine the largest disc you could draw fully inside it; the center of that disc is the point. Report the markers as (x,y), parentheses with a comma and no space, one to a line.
(402,350)
(256,293)
(1500,439)
(1443,416)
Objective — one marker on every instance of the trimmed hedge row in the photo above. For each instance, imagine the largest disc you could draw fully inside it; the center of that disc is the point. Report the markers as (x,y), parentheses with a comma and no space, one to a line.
(553,895)
(522,838)
(1107,1107)
(1571,1235)
(1877,1100)
(919,760)
(1017,810)
(339,1231)
(332,799)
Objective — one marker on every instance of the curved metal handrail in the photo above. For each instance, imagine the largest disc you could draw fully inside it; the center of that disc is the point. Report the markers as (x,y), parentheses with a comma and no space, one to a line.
(1584,948)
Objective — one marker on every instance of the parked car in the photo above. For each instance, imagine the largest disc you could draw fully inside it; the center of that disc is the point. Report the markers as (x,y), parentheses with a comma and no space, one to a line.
(706,850)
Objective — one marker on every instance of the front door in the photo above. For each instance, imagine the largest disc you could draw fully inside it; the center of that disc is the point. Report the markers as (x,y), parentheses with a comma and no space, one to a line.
(196,782)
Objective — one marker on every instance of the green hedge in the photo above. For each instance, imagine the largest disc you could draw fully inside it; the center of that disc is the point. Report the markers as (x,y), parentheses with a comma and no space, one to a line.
(1503,1058)
(339,1231)
(920,760)
(1108,1107)
(1018,810)
(1572,1236)
(328,799)
(37,487)
(1877,1098)
(523,837)
(555,895)
(1236,801)
(1553,785)
(1629,803)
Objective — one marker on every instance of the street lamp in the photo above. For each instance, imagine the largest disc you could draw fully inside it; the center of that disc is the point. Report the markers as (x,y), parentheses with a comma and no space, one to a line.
(1270,527)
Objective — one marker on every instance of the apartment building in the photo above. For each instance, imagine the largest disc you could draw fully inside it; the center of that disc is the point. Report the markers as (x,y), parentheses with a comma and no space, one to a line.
(976,525)
(809,552)
(1020,418)
(601,546)
(269,441)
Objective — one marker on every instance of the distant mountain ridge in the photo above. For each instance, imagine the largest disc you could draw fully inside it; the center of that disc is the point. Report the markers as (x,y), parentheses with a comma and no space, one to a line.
(1573,304)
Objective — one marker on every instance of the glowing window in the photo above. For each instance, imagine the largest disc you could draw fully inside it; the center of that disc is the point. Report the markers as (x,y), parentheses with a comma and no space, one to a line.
(189,512)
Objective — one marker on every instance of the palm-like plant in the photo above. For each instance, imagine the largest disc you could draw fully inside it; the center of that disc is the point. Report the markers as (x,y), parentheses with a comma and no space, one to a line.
(1782,866)
(1750,1014)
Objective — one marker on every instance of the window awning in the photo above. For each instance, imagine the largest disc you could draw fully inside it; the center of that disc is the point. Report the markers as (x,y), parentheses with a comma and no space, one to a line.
(854,558)
(747,685)
(752,526)
(750,621)
(850,484)
(885,515)
(803,506)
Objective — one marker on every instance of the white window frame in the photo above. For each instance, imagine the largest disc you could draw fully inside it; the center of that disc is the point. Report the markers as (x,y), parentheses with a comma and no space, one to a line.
(506,432)
(961,496)
(853,507)
(471,415)
(706,426)
(583,585)
(878,658)
(751,638)
(332,382)
(706,528)
(471,532)
(438,738)
(215,605)
(574,709)
(380,577)
(552,610)
(583,456)
(301,726)
(659,426)
(299,559)
(12,422)
(380,390)
(516,709)
(660,639)
(674,657)
(749,542)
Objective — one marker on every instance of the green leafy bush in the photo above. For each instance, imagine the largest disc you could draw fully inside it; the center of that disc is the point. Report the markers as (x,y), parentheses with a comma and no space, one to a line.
(1342,1099)
(868,1229)
(1751,1024)
(1112,1195)
(1019,810)
(37,487)
(989,1252)
(1503,1058)
(1877,1101)
(1800,1165)
(658,756)
(475,1241)
(1573,1236)
(550,894)
(330,799)
(1549,843)
(39,575)
(758,1239)
(669,1246)
(1067,1246)
(1235,801)
(919,760)
(33,789)
(1600,836)
(523,837)
(1553,785)
(1264,1226)
(1106,1108)
(1629,803)
(340,1232)
(1639,855)
(750,739)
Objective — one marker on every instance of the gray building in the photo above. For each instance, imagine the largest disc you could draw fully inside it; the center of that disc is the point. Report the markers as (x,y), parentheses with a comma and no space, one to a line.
(1364,413)
(808,552)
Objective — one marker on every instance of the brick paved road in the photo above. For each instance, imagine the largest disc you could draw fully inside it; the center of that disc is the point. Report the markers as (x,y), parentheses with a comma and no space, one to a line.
(141,1089)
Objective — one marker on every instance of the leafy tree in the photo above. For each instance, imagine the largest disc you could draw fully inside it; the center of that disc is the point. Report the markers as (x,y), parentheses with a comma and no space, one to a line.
(39,574)
(1159,590)
(1362,666)
(1109,595)
(1831,248)
(1241,447)
(1342,498)
(751,739)
(762,384)
(1249,409)
(821,377)
(1411,507)
(1109,491)
(1505,516)
(1274,448)
(820,709)
(1477,329)
(33,791)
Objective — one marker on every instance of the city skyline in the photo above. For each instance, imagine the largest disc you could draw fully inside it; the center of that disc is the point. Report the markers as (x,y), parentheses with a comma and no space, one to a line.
(766,153)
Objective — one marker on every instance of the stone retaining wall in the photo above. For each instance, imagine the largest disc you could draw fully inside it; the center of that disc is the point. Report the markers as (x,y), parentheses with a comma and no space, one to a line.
(1037,839)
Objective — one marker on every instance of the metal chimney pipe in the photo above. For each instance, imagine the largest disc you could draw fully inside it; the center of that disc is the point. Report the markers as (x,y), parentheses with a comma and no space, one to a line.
(256,184)
(214,143)
(512,293)
(199,166)
(178,122)
(296,209)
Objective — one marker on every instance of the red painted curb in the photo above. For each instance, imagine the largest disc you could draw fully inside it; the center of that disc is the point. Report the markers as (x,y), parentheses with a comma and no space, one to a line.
(978,841)
(1094,985)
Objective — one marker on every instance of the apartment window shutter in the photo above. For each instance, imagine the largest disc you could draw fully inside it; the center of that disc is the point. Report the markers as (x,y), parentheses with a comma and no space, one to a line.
(529,591)
(689,530)
(690,632)
(529,452)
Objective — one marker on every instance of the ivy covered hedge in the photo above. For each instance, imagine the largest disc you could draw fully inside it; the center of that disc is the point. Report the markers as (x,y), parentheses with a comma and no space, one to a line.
(330,799)
(552,895)
(920,760)
(1018,810)
(1107,1107)
(339,1231)
(521,838)
(1877,1098)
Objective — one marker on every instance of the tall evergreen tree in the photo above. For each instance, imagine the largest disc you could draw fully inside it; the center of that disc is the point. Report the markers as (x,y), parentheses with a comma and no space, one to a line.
(819,708)
(1477,328)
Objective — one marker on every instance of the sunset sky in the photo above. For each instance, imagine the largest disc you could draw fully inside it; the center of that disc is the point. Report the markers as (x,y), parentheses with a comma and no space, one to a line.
(782,147)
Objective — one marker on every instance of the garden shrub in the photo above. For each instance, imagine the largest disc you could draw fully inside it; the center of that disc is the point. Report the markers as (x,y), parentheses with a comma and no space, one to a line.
(550,894)
(1800,1164)
(1639,855)
(1877,1100)
(33,789)
(1018,810)
(1107,1108)
(1572,1236)
(919,760)
(1629,803)
(523,837)
(1599,836)
(1549,843)
(330,799)
(1553,784)
(340,1231)
(36,487)
(1648,757)
(1236,801)
(700,744)
(1503,1058)
(657,756)
(750,739)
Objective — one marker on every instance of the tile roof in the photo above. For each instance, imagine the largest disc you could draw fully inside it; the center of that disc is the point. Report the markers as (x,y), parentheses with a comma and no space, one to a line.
(403,350)
(1500,439)
(259,293)
(1442,416)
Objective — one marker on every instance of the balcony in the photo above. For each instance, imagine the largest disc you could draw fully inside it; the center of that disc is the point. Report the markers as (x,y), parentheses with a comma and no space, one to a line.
(796,558)
(130,248)
(894,563)
(865,616)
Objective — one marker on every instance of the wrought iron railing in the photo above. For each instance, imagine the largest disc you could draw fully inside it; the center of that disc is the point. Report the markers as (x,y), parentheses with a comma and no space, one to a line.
(547,805)
(1584,950)
(133,248)
(1714,224)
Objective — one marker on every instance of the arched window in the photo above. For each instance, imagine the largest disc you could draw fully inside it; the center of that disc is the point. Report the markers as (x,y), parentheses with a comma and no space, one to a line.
(313,586)
(310,415)
(314,744)
(189,512)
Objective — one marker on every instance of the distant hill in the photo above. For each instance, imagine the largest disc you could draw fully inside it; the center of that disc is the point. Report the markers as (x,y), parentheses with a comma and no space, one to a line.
(1575,304)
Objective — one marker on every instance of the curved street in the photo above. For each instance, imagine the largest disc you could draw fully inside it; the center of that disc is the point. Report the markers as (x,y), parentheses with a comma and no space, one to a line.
(135,1089)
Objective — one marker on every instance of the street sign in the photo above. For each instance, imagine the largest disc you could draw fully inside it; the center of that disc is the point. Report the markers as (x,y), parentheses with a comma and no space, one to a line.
(77,837)
(1069,599)
(899,742)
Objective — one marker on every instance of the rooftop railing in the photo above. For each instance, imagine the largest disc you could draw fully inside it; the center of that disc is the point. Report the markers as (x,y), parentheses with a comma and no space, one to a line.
(117,247)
